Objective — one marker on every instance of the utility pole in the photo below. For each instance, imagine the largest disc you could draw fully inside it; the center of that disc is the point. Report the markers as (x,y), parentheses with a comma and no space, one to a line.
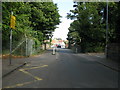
(10,57)
(106,28)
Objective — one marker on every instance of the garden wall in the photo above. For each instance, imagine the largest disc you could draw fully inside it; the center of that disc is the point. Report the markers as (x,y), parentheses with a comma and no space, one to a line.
(113,51)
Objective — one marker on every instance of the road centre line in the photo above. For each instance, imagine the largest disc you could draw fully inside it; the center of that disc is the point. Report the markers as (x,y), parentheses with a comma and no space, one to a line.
(56,56)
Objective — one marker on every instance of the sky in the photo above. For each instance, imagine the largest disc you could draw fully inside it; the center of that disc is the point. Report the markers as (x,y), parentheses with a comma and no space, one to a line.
(64,7)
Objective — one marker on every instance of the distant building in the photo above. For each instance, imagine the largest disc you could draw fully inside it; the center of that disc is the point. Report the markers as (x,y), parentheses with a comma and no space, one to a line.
(58,41)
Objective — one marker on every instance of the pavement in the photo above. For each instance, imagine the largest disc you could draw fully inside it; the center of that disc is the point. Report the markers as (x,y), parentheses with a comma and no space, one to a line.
(101,59)
(17,63)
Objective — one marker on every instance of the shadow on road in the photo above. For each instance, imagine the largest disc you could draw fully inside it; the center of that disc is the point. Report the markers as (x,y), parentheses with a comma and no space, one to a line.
(62,50)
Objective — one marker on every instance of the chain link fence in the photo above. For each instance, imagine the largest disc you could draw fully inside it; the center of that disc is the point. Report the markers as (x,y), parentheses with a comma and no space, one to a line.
(24,47)
(20,51)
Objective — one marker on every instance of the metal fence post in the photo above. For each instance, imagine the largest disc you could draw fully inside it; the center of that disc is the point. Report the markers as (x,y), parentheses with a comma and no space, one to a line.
(10,57)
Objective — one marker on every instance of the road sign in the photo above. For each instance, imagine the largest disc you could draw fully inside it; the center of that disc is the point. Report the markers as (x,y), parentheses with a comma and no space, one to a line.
(12,26)
(12,22)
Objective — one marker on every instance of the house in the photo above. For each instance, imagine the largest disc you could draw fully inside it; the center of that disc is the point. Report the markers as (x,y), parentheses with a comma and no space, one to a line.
(58,42)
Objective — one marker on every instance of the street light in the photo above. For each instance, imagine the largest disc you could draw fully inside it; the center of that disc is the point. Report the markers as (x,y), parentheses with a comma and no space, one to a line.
(106,28)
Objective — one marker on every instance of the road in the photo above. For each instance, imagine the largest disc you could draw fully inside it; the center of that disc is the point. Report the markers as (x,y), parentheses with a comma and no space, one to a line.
(63,70)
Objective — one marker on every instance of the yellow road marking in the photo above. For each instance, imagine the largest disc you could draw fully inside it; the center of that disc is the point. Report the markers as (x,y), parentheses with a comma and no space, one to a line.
(35,67)
(26,83)
(21,84)
(27,65)
(35,77)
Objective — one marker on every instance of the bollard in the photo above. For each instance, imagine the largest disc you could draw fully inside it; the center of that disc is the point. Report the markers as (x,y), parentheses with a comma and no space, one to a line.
(53,51)
(76,50)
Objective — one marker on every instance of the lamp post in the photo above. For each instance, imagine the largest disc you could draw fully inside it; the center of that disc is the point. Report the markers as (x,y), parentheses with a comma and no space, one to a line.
(106,29)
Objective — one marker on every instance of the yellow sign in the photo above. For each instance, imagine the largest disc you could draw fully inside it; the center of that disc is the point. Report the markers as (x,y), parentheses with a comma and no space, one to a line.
(12,21)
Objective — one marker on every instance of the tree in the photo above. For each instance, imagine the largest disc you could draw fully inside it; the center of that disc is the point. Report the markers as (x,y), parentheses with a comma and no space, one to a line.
(34,20)
(90,24)
(44,17)
(22,21)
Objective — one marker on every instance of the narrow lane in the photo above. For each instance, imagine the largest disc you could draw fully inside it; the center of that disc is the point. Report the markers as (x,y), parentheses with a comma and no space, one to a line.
(63,70)
(85,72)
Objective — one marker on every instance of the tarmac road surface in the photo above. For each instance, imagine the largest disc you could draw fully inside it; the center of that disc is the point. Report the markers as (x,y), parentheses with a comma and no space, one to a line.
(65,69)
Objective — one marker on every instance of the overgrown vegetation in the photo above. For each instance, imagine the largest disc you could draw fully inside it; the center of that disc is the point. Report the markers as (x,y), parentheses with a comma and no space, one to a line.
(89,26)
(34,20)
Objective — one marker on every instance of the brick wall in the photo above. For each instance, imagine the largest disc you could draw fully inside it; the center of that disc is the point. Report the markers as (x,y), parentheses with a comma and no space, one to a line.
(113,51)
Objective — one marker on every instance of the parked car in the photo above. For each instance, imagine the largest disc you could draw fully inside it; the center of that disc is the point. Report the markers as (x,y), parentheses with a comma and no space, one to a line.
(59,46)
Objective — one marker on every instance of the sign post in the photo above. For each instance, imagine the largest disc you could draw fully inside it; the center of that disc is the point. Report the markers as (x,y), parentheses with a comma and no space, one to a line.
(12,26)
(10,46)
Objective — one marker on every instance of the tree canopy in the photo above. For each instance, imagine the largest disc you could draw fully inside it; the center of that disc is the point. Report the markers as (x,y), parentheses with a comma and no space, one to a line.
(36,20)
(89,26)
